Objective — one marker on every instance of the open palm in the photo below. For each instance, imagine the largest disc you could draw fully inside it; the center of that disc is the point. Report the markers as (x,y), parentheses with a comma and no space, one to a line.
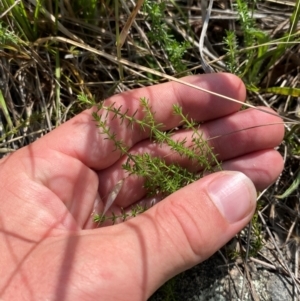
(51,249)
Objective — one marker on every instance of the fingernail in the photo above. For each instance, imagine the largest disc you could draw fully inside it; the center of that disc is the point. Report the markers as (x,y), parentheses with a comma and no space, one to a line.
(233,194)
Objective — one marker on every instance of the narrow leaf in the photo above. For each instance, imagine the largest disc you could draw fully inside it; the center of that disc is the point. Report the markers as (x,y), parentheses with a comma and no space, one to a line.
(287,91)
(129,22)
(112,196)
(291,189)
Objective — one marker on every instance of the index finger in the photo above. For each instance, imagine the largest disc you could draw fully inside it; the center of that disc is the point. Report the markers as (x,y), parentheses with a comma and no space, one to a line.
(80,137)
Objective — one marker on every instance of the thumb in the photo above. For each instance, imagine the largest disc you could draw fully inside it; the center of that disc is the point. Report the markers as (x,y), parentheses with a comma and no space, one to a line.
(193,223)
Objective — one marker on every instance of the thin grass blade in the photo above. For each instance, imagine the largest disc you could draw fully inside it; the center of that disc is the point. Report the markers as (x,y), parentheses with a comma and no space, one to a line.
(291,189)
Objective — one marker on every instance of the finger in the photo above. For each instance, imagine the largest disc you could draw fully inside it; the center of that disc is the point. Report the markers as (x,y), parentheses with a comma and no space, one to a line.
(230,137)
(262,167)
(243,133)
(194,223)
(178,233)
(183,230)
(80,137)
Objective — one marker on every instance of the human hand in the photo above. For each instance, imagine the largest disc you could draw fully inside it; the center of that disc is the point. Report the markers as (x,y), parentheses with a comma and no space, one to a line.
(52,251)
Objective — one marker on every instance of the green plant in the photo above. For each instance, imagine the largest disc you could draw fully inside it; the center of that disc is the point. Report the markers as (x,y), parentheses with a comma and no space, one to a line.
(160,34)
(257,55)
(248,65)
(24,30)
(256,239)
(160,177)
(6,36)
(260,55)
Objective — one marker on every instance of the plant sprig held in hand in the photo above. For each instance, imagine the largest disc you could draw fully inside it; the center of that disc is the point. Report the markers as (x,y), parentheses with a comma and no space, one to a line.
(159,177)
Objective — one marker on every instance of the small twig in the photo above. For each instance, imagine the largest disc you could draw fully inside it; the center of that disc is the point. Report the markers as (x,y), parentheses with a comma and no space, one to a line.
(206,11)
(296,268)
(263,263)
(9,9)
(279,252)
(246,266)
(60,27)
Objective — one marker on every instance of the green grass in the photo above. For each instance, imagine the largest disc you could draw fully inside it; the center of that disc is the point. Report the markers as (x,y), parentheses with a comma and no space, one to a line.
(51,54)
